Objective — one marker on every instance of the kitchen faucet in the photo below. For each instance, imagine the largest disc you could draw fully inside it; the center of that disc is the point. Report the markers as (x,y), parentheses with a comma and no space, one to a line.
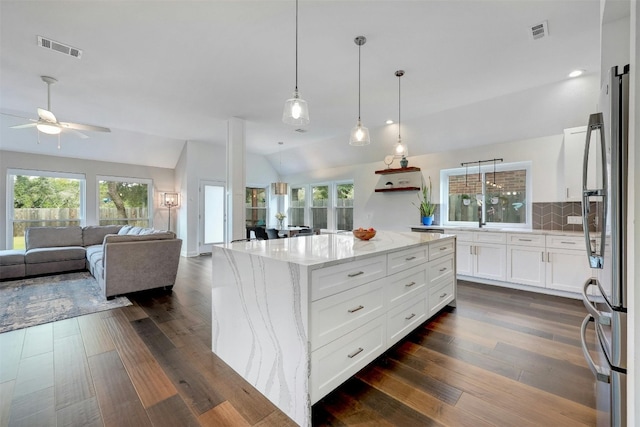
(480,223)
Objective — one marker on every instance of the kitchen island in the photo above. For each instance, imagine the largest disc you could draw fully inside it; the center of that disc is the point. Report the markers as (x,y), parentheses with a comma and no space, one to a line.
(297,317)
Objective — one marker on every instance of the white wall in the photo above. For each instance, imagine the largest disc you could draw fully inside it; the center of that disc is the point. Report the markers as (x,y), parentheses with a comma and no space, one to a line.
(395,211)
(163,179)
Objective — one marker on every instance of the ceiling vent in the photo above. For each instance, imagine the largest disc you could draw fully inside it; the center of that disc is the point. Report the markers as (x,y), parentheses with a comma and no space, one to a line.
(539,31)
(59,47)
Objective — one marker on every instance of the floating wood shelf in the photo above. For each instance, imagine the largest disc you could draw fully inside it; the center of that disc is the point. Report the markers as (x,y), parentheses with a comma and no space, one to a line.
(382,190)
(397,170)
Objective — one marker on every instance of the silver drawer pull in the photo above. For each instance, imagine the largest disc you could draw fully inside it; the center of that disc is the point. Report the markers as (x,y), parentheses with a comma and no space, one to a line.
(568,243)
(525,240)
(355,274)
(353,310)
(408,285)
(410,317)
(411,258)
(443,295)
(443,248)
(355,353)
(442,269)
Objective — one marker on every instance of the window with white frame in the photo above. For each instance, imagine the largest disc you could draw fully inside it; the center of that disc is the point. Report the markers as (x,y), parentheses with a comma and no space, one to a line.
(323,205)
(494,195)
(124,201)
(43,199)
(297,205)
(344,206)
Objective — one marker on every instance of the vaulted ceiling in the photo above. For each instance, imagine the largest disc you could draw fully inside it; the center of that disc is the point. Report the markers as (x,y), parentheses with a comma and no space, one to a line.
(160,73)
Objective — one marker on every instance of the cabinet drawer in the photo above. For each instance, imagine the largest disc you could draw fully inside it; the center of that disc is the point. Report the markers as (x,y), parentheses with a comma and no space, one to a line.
(334,316)
(440,269)
(399,261)
(565,242)
(337,278)
(440,249)
(441,295)
(334,363)
(489,237)
(405,285)
(526,239)
(463,236)
(406,317)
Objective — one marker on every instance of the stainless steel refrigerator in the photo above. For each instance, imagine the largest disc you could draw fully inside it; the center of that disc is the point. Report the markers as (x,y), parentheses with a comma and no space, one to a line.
(604,217)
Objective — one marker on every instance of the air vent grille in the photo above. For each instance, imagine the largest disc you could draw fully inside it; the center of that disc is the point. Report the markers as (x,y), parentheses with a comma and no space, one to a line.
(59,47)
(539,31)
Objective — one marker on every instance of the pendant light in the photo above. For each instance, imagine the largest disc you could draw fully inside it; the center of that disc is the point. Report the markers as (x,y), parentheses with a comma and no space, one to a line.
(359,134)
(296,111)
(280,188)
(400,150)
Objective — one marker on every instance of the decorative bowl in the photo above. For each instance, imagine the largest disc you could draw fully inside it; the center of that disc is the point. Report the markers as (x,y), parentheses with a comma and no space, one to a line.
(364,234)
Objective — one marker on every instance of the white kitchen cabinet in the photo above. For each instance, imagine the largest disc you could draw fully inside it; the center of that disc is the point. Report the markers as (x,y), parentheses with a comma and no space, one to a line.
(574,143)
(481,254)
(526,263)
(567,264)
(490,261)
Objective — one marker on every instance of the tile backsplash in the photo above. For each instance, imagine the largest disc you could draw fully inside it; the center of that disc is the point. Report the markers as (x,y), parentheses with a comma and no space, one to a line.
(551,216)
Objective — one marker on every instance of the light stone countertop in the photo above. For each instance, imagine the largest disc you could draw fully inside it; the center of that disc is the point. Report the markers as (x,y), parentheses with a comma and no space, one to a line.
(454,228)
(327,249)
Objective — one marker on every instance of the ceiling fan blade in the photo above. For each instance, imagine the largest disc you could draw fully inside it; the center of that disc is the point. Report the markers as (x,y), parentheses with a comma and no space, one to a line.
(79,126)
(46,115)
(27,125)
(76,133)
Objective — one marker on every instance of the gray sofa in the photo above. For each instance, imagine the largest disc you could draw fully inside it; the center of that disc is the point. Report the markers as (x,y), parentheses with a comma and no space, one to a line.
(123,259)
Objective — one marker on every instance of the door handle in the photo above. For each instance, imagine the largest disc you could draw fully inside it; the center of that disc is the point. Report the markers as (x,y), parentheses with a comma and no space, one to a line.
(353,310)
(355,353)
(355,274)
(596,258)
(600,374)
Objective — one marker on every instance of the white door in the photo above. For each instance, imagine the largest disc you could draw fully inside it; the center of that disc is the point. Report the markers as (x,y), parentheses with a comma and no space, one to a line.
(212,219)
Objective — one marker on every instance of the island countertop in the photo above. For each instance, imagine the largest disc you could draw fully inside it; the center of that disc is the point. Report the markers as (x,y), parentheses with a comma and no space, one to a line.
(328,249)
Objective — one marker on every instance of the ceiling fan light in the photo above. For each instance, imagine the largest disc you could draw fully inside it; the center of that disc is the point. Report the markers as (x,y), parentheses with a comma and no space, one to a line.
(296,111)
(359,135)
(48,129)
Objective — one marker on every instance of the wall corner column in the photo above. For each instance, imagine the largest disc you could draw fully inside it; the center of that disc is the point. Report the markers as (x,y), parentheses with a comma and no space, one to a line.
(236,179)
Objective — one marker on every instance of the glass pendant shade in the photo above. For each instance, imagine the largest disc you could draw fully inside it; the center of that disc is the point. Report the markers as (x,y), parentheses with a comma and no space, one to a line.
(296,111)
(280,188)
(359,135)
(400,150)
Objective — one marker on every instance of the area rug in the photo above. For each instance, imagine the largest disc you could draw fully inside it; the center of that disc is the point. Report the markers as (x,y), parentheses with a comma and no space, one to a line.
(38,300)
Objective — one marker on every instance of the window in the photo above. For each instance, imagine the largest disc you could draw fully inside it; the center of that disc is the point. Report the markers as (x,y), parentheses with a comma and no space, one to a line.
(297,205)
(43,199)
(326,205)
(124,201)
(344,206)
(319,205)
(256,206)
(499,196)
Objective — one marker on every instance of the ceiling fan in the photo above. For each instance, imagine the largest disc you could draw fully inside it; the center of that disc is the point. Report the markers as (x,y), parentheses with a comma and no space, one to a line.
(47,122)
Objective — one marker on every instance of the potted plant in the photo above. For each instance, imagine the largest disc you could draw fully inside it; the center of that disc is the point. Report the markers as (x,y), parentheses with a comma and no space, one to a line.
(425,206)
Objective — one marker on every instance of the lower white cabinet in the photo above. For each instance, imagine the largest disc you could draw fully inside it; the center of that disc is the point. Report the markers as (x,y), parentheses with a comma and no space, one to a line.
(557,262)
(351,327)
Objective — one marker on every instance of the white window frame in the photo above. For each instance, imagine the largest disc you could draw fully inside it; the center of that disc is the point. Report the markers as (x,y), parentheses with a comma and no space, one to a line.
(147,181)
(331,201)
(486,169)
(268,195)
(48,174)
(334,192)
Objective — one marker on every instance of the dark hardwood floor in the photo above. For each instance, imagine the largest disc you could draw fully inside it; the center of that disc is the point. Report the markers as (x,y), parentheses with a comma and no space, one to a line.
(501,358)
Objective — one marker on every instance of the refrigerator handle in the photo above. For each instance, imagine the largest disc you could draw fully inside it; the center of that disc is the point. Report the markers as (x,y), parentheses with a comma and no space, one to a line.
(596,258)
(600,374)
(593,311)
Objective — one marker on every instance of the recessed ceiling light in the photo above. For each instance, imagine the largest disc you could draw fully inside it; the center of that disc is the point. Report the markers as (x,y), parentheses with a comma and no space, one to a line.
(576,73)
(389,122)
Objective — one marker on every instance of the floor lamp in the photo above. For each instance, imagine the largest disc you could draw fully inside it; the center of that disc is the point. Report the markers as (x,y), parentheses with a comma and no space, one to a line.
(170,200)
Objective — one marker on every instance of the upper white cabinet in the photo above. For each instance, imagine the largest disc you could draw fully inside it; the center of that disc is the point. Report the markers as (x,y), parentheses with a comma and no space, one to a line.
(574,144)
